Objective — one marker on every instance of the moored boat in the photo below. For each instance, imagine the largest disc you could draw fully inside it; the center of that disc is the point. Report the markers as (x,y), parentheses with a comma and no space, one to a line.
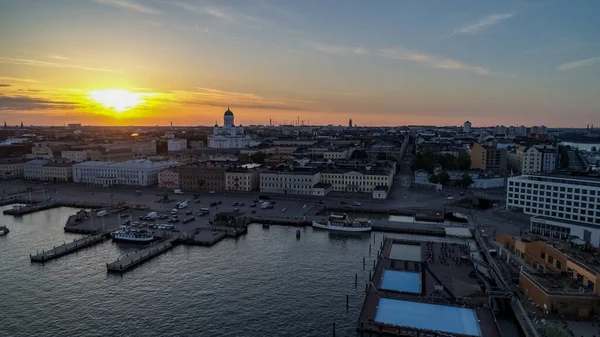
(343,223)
(126,234)
(3,230)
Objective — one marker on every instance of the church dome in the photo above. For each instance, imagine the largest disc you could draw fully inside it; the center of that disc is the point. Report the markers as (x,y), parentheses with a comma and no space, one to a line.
(228,113)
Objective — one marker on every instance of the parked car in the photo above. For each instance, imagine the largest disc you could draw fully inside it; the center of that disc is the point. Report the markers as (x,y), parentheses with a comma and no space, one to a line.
(284,209)
(241,204)
(236,209)
(356,203)
(211,192)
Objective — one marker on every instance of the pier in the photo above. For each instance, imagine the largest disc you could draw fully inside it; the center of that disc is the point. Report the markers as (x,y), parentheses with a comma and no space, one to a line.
(138,257)
(35,206)
(68,248)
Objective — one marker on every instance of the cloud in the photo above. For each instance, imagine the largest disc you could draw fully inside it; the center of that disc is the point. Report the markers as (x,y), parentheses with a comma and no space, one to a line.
(334,49)
(15,79)
(11,103)
(578,64)
(432,61)
(4,85)
(57,57)
(36,63)
(481,25)
(129,4)
(219,12)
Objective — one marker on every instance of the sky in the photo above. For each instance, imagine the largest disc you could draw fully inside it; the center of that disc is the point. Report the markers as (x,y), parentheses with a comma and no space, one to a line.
(385,62)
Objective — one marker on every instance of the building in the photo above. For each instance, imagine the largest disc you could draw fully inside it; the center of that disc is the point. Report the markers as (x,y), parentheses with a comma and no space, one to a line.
(421,176)
(168,178)
(350,123)
(488,158)
(57,172)
(140,172)
(560,282)
(74,125)
(539,159)
(138,148)
(339,154)
(229,136)
(79,156)
(176,144)
(467,127)
(11,168)
(241,178)
(34,169)
(357,180)
(202,177)
(563,206)
(288,181)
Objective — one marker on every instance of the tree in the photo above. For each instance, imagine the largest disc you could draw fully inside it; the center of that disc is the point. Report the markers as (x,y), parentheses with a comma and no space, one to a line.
(594,149)
(423,161)
(360,155)
(444,178)
(465,181)
(433,179)
(258,157)
(382,156)
(463,161)
(448,162)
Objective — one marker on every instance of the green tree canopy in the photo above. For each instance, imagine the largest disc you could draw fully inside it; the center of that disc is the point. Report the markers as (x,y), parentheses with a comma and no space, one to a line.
(465,181)
(444,178)
(258,157)
(463,161)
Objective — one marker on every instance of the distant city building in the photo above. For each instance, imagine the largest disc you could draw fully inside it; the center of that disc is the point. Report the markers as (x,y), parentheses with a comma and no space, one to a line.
(74,125)
(339,154)
(488,158)
(350,123)
(139,172)
(79,156)
(467,127)
(229,136)
(57,172)
(34,169)
(563,206)
(294,182)
(176,144)
(168,178)
(139,148)
(539,159)
(202,177)
(11,168)
(241,179)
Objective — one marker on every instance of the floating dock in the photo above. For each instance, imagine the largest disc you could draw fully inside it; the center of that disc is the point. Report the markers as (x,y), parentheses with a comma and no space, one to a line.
(35,206)
(70,247)
(136,258)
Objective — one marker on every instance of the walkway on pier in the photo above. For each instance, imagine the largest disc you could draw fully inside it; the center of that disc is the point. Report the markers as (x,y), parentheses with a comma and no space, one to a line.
(133,259)
(68,248)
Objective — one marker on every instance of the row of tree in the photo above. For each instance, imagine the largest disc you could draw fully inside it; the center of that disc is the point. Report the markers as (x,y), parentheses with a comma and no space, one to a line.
(427,160)
(443,178)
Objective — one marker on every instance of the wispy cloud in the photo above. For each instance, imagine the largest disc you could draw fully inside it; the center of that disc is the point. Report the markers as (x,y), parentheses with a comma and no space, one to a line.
(334,49)
(219,12)
(4,85)
(15,79)
(578,64)
(130,4)
(57,57)
(481,25)
(12,103)
(37,63)
(433,61)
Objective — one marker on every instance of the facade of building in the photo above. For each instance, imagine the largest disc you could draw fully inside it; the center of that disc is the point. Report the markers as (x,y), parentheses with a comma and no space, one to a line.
(34,169)
(421,176)
(349,180)
(241,179)
(202,177)
(139,172)
(539,159)
(176,144)
(79,156)
(229,136)
(57,172)
(168,178)
(138,148)
(467,127)
(339,154)
(11,168)
(488,158)
(562,205)
(298,181)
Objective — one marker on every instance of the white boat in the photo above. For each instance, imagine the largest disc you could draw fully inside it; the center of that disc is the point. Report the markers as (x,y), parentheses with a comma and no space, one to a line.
(343,223)
(128,235)
(3,230)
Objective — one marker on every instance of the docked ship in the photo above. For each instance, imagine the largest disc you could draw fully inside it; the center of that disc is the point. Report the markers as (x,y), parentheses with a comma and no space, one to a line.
(343,223)
(126,234)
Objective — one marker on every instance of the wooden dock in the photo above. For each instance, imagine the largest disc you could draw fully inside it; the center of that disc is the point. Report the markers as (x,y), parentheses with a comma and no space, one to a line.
(203,237)
(68,248)
(138,257)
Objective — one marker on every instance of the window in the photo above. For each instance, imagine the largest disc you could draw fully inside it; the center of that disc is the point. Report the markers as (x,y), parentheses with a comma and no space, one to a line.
(543,255)
(550,259)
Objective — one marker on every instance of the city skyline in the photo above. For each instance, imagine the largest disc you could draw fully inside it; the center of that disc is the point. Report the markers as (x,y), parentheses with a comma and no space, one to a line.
(135,62)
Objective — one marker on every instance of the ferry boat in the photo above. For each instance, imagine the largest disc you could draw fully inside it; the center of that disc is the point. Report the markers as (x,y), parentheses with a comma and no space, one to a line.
(135,236)
(343,223)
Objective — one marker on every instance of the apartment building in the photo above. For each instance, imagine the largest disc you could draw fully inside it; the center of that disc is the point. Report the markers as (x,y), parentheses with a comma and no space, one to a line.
(34,169)
(176,144)
(141,172)
(79,156)
(168,178)
(241,179)
(539,159)
(202,177)
(562,206)
(359,180)
(488,158)
(338,154)
(298,181)
(11,168)
(57,172)
(562,283)
(139,148)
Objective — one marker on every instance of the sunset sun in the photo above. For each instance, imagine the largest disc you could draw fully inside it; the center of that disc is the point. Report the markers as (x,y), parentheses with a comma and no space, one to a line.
(116,99)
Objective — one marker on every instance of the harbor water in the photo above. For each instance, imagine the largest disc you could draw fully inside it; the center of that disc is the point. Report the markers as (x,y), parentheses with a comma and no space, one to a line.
(266,283)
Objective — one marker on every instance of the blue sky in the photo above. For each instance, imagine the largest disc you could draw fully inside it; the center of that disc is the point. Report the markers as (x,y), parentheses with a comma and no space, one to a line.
(377,62)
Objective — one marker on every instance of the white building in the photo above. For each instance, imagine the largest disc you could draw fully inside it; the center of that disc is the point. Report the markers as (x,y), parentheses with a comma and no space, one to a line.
(349,180)
(229,136)
(140,172)
(168,178)
(57,172)
(241,179)
(34,169)
(539,159)
(467,127)
(298,181)
(563,206)
(176,144)
(79,156)
(11,168)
